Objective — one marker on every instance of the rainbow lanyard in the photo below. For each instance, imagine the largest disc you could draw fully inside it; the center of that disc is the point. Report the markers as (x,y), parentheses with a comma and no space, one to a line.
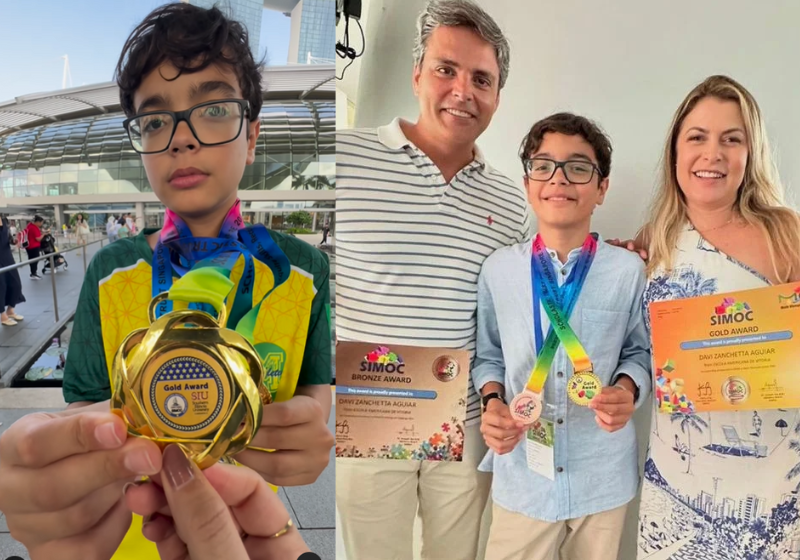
(558,304)
(204,265)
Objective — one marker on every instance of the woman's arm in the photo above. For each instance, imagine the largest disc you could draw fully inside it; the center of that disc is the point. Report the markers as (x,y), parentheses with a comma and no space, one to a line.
(38,235)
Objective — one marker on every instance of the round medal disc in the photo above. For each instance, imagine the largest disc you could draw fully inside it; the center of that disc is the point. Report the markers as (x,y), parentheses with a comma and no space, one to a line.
(583,386)
(526,407)
(187,393)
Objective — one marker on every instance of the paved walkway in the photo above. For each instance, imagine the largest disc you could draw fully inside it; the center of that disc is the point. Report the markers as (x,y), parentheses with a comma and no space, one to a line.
(19,344)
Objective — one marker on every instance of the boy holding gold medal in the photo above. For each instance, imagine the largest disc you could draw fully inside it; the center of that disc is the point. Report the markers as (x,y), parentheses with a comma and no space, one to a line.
(562,360)
(192,93)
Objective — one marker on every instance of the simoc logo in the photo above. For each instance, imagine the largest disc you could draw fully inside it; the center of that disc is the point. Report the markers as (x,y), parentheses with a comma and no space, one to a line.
(731,312)
(383,360)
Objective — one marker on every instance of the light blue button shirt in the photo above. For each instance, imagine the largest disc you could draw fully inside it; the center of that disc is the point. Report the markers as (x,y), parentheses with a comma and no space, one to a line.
(594,470)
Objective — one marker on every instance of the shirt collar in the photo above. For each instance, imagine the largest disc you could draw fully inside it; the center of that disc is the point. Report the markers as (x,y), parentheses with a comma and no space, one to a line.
(575,253)
(391,136)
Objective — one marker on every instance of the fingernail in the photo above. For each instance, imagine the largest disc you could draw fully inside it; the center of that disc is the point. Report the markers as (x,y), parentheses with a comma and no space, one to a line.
(138,461)
(106,434)
(177,466)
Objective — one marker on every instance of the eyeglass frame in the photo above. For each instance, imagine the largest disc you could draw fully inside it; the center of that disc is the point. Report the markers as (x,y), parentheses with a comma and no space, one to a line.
(183,116)
(563,166)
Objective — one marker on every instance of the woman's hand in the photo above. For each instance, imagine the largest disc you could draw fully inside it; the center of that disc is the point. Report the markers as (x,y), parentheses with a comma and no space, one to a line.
(223,512)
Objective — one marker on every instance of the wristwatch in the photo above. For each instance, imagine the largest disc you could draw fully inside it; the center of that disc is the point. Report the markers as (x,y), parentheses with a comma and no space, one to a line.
(635,390)
(486,398)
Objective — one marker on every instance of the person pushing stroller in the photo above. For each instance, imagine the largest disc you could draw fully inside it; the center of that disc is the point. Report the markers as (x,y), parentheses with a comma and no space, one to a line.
(48,246)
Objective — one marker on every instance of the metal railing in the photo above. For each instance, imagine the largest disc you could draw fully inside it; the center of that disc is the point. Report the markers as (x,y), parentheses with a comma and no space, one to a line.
(52,258)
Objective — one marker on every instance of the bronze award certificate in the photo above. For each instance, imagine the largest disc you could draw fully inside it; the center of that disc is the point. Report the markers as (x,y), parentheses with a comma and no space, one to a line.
(400,402)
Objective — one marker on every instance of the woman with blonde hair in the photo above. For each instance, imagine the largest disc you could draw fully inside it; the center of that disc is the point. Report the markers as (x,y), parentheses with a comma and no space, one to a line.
(712,489)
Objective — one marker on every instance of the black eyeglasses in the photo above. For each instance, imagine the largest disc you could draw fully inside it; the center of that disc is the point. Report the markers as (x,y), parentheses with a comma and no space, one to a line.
(578,172)
(212,123)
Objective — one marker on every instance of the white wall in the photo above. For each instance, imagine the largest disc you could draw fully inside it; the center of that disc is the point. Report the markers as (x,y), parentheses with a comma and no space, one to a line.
(372,21)
(626,64)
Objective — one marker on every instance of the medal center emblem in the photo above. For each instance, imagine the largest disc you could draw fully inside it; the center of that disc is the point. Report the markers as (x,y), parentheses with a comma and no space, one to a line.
(186,395)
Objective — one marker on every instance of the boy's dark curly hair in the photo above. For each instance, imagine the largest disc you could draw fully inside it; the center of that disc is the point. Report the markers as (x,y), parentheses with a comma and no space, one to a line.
(192,39)
(570,125)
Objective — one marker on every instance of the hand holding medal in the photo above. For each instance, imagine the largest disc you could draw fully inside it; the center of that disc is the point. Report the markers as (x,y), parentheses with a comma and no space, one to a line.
(584,385)
(500,430)
(187,379)
(614,406)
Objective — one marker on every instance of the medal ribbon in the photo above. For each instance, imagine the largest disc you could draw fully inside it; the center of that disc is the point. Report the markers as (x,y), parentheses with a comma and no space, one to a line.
(204,265)
(558,304)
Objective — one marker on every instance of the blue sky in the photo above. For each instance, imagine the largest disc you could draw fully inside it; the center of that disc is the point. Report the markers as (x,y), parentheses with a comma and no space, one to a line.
(37,33)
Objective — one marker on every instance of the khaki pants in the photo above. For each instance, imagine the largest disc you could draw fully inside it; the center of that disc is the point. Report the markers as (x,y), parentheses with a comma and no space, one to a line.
(514,536)
(378,501)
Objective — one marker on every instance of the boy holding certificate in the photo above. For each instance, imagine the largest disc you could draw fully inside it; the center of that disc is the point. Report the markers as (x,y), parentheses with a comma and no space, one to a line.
(192,94)
(562,360)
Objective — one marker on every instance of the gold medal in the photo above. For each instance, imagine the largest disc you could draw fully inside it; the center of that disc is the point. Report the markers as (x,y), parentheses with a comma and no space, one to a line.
(583,386)
(190,381)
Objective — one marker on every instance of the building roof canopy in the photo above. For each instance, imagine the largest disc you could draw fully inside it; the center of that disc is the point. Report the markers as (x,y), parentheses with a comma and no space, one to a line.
(284,82)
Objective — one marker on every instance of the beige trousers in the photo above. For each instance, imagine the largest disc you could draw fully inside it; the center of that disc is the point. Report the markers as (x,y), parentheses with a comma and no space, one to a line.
(514,536)
(378,500)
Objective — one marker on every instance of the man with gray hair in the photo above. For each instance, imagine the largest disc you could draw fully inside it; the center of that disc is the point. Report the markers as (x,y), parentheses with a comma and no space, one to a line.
(418,211)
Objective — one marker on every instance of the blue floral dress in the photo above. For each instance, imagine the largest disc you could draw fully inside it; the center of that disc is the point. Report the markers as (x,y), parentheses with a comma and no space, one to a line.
(719,485)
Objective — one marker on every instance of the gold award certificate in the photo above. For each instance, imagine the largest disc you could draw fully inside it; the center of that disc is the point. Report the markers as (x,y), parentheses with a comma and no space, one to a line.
(732,351)
(400,402)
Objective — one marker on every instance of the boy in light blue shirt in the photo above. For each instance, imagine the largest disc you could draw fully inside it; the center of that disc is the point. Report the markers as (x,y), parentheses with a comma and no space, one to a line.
(564,455)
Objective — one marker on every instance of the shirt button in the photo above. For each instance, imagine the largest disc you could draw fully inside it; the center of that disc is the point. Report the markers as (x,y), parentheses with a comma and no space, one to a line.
(560,469)
(560,374)
(563,271)
(560,420)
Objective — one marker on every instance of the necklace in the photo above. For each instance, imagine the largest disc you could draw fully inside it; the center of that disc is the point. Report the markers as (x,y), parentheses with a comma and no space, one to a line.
(703,232)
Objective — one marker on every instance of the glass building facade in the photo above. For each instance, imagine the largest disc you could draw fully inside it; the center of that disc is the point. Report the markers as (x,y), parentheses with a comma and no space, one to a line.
(247,12)
(318,30)
(92,156)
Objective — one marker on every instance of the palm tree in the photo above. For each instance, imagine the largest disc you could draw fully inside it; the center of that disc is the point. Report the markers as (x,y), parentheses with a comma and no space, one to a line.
(692,284)
(689,421)
(794,445)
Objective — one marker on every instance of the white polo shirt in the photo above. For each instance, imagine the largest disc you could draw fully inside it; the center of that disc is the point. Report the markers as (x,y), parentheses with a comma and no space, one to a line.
(409,246)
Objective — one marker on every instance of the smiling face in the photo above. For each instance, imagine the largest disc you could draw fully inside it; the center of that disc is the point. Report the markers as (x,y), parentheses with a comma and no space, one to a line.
(195,181)
(711,153)
(457,84)
(558,203)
